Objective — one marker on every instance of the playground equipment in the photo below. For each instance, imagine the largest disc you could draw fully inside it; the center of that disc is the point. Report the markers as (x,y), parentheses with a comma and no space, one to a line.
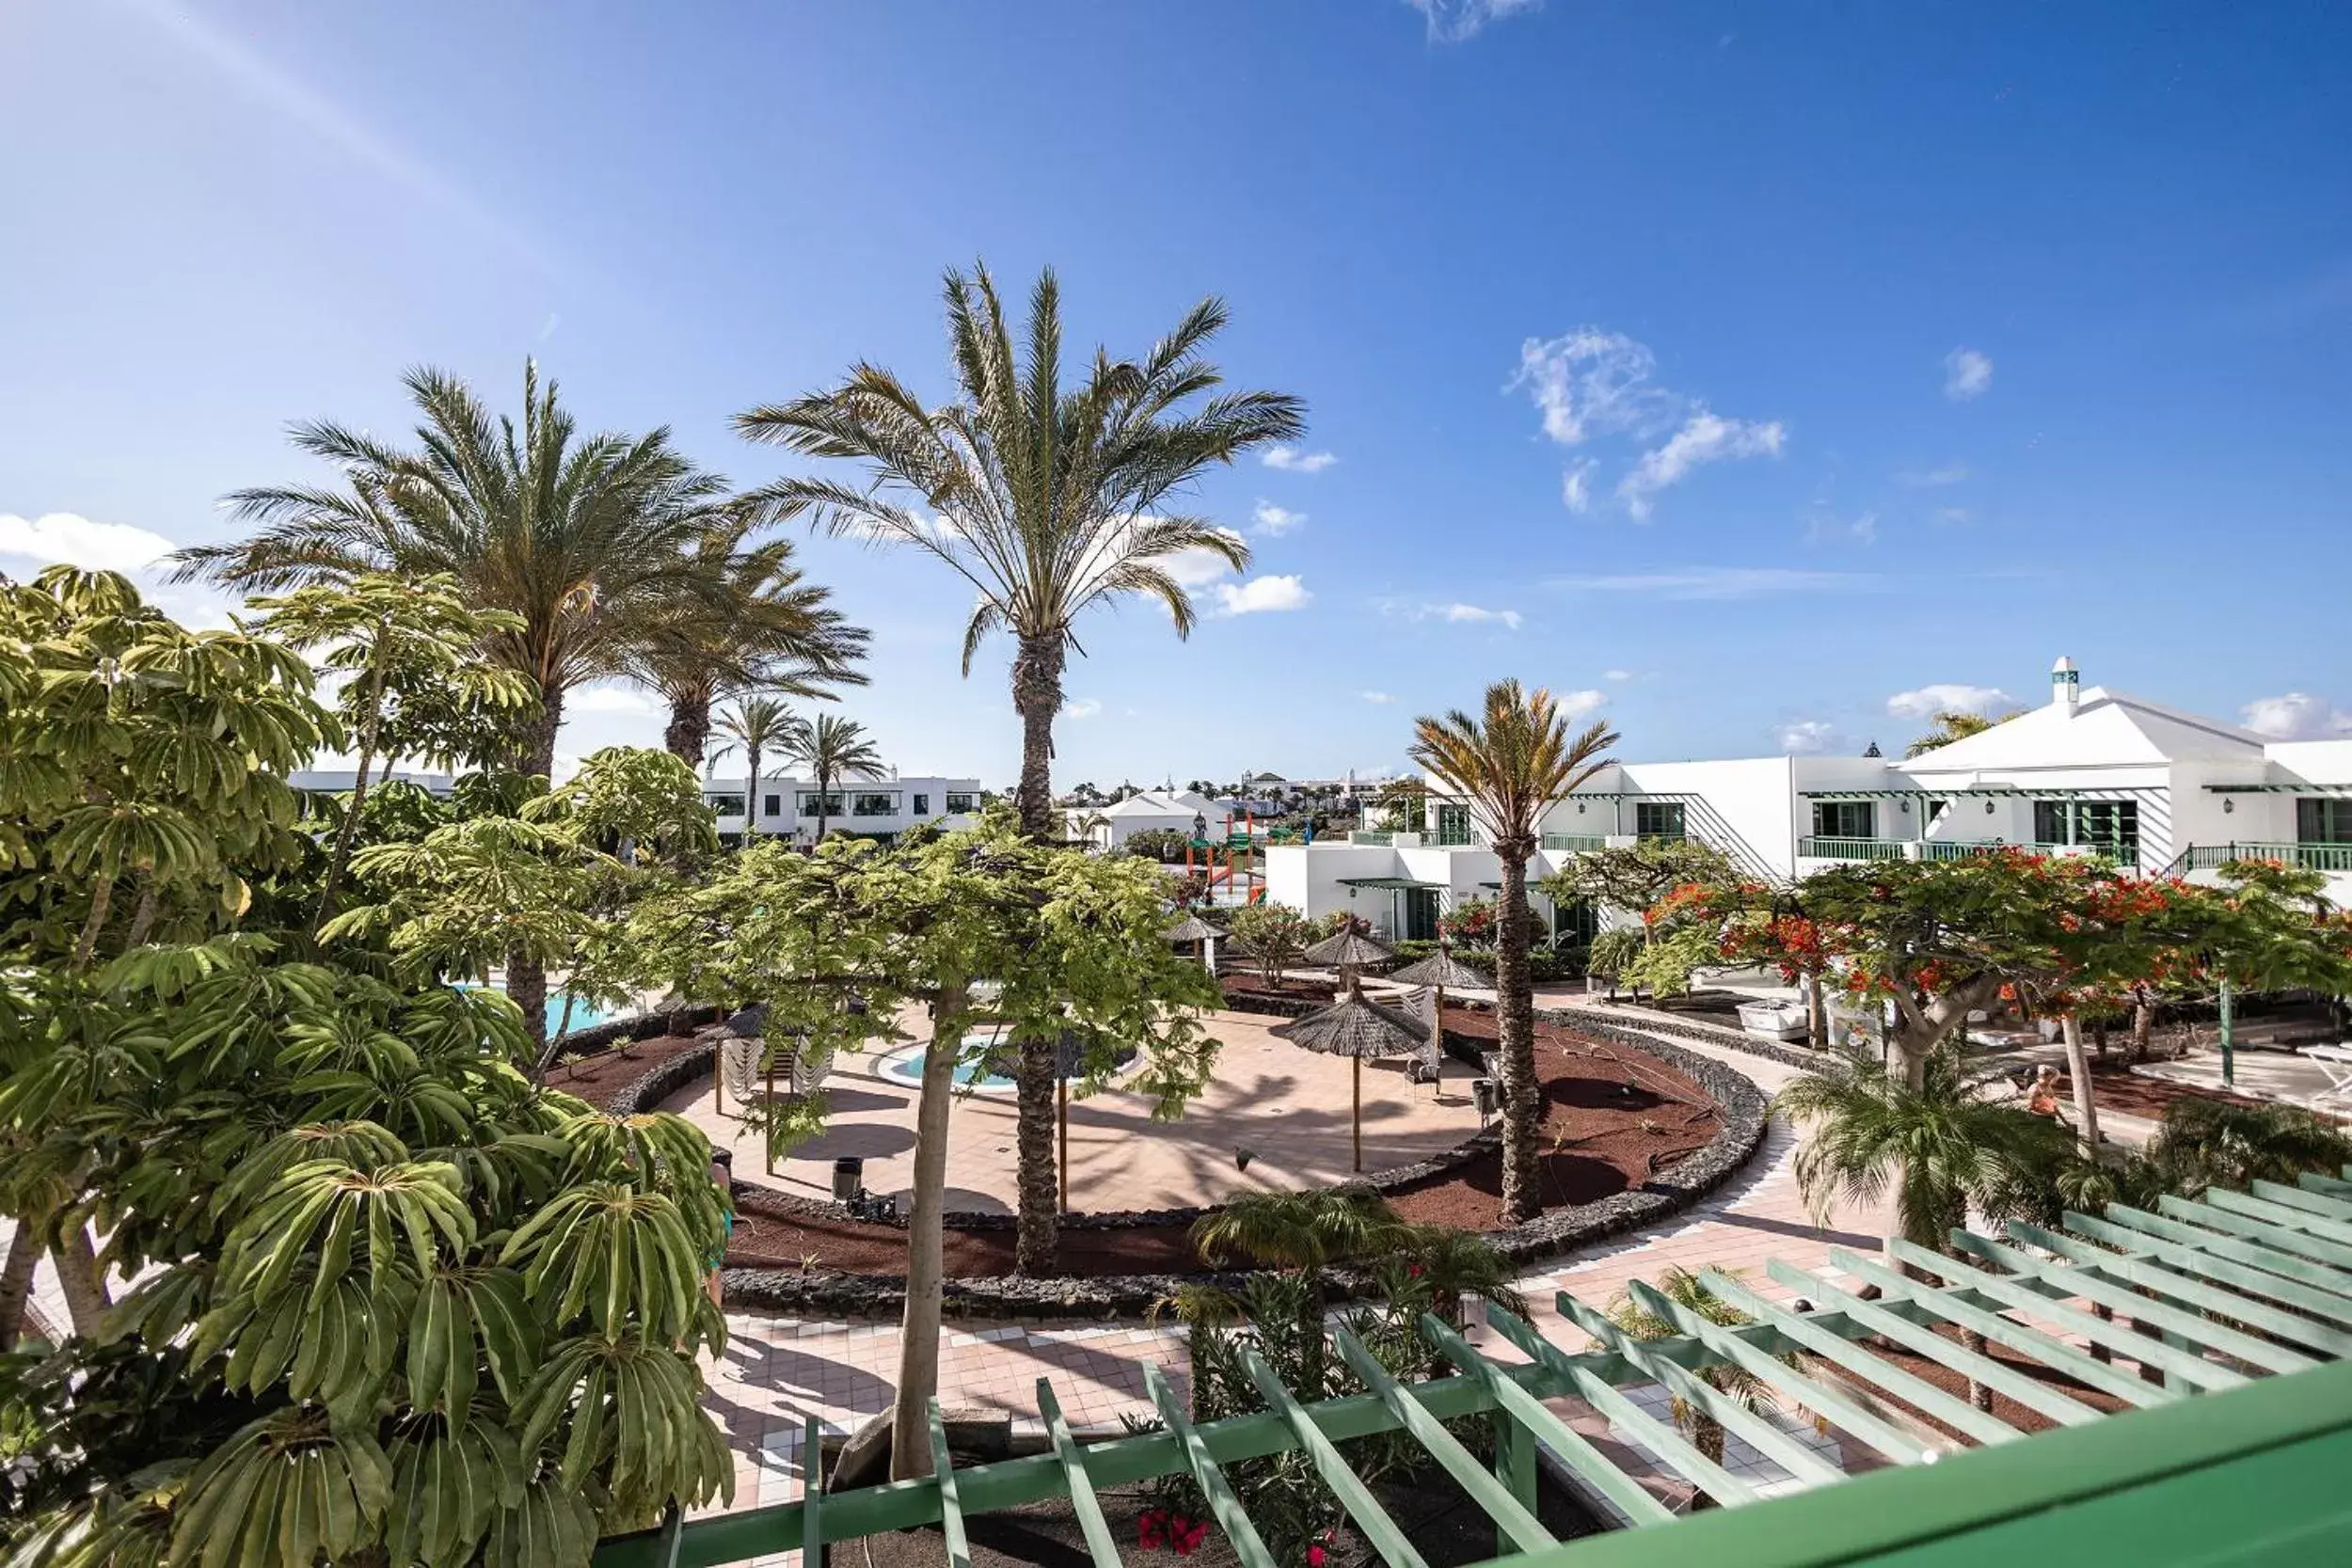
(1240,880)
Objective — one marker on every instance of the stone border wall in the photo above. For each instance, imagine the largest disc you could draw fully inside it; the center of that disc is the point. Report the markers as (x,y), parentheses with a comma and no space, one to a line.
(629,1028)
(1638,1019)
(1745,1111)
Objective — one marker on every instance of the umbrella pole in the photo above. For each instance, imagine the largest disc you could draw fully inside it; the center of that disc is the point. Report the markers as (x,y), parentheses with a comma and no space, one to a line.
(1358,1118)
(1061,1091)
(1436,1038)
(771,1139)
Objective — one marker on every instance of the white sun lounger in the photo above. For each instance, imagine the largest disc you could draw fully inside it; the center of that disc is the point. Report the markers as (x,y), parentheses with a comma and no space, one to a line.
(2336,1062)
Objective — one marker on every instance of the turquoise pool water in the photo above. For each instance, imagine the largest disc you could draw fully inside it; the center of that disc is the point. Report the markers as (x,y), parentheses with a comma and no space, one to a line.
(584,1013)
(906,1066)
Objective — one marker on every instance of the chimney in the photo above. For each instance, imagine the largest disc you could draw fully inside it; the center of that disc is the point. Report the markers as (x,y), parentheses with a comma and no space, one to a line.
(2066,684)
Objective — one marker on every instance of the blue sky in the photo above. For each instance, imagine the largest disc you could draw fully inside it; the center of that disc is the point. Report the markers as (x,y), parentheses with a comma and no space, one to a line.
(1742,370)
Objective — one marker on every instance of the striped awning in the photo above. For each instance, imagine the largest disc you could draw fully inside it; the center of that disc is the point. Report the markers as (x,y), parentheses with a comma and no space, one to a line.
(1976,792)
(2281,789)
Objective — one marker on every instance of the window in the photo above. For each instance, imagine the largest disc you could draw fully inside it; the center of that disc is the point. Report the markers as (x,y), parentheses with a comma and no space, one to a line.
(2109,827)
(1658,818)
(874,803)
(922,804)
(724,805)
(2051,822)
(772,806)
(1454,824)
(1845,819)
(959,801)
(814,804)
(2323,821)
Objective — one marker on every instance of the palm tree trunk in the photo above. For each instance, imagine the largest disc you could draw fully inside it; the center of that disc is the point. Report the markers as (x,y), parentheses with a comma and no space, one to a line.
(16,1283)
(918,1337)
(1037,697)
(142,914)
(1514,1016)
(370,730)
(525,976)
(1037,1248)
(2078,1072)
(85,1288)
(101,899)
(751,795)
(824,800)
(686,735)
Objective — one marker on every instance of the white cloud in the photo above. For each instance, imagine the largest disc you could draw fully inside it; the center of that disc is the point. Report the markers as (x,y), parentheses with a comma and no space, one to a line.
(1576,485)
(1082,708)
(1261,594)
(1456,613)
(1946,696)
(1929,479)
(1826,529)
(1967,374)
(1705,438)
(1591,382)
(1454,20)
(1379,697)
(1952,515)
(1579,705)
(1294,461)
(1616,674)
(2297,716)
(62,536)
(1720,583)
(1806,736)
(607,699)
(1196,568)
(1276,519)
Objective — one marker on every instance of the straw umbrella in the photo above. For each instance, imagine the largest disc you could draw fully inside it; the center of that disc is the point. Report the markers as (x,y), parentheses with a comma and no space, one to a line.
(1356,1028)
(1349,951)
(1193,928)
(1439,970)
(1069,1059)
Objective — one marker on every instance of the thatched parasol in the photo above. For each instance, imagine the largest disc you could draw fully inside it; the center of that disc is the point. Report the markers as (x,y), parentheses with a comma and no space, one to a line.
(1356,1028)
(1439,971)
(1350,949)
(1193,928)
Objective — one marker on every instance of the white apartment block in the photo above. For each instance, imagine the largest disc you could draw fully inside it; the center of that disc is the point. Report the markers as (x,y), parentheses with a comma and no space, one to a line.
(2163,791)
(874,808)
(1184,811)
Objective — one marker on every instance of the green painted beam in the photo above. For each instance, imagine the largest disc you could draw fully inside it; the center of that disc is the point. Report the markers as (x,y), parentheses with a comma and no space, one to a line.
(1672,1449)
(950,1509)
(1223,1504)
(2300,1221)
(2016,1336)
(1505,1508)
(1692,1389)
(1918,1391)
(2125,1225)
(2146,1350)
(1083,1502)
(2310,1200)
(2313,1181)
(2196,1327)
(811,1494)
(2199,1289)
(2256,1228)
(1345,1484)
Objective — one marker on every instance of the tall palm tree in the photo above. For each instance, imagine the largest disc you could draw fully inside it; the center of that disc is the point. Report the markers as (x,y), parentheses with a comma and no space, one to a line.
(589,539)
(1507,767)
(757,725)
(782,636)
(833,748)
(1047,499)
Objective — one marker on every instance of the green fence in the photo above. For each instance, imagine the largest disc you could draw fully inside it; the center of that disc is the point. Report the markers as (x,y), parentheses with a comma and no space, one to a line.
(2307,856)
(1850,848)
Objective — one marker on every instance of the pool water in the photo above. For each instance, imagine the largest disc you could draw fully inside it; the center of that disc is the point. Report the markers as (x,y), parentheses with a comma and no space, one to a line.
(585,1014)
(905,1065)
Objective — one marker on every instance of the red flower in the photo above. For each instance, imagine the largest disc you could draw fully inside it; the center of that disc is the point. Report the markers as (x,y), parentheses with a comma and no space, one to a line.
(1152,1529)
(1314,1557)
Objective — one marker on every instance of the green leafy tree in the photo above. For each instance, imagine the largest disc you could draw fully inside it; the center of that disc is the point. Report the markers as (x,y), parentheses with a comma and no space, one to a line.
(757,725)
(1048,500)
(1508,765)
(388,634)
(1633,879)
(1946,725)
(833,748)
(1275,934)
(1071,941)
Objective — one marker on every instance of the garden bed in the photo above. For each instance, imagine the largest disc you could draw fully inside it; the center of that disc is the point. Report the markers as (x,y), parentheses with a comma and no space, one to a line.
(1246,985)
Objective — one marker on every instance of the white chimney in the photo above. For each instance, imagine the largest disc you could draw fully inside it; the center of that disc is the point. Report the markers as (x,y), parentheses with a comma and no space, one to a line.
(2066,684)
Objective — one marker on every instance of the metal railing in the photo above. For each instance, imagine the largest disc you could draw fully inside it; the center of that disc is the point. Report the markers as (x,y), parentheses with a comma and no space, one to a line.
(1959,849)
(2303,857)
(1576,844)
(1821,849)
(1372,836)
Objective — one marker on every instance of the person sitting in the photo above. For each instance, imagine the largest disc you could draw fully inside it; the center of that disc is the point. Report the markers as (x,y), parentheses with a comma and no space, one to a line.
(2041,1098)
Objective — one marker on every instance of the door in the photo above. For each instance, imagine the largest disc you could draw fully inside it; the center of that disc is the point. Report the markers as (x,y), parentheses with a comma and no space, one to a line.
(1421,915)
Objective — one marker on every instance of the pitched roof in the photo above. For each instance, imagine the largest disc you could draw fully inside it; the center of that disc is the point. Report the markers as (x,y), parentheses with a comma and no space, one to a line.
(2106,729)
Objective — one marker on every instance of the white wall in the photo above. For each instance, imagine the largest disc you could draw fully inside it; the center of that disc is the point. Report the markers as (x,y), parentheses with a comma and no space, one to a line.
(788,821)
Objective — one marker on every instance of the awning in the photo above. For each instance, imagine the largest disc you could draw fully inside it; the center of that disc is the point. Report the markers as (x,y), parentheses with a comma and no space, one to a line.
(2281,789)
(1387,884)
(1978,792)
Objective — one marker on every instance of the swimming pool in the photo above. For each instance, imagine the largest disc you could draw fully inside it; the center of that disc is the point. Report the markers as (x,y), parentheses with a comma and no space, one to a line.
(905,1065)
(584,1015)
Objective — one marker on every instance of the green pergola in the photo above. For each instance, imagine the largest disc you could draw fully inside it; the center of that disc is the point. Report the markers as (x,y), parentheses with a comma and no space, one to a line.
(2214,1319)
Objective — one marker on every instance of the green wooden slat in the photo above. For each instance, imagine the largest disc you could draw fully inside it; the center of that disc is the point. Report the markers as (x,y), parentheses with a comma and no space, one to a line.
(2016,1336)
(2333,1187)
(2310,1201)
(1923,1341)
(1958,1414)
(2144,1348)
(1354,1496)
(1901,1447)
(1083,1502)
(2125,1226)
(2279,1214)
(1672,1450)
(1693,1389)
(950,1505)
(812,1496)
(1246,1544)
(673,1536)
(2182,1286)
(1503,1506)
(2250,1228)
(2194,1326)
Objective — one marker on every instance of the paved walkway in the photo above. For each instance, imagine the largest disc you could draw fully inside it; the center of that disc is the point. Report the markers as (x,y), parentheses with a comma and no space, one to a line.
(778,1370)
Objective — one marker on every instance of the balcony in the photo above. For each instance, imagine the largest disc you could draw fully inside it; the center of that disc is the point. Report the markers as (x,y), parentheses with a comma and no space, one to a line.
(1852,848)
(1954,850)
(1575,844)
(2302,856)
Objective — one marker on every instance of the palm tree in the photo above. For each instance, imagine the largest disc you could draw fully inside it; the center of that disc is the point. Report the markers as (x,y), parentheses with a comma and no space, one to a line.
(1507,769)
(1737,1384)
(1047,500)
(1306,1233)
(590,540)
(782,638)
(757,725)
(1946,725)
(832,748)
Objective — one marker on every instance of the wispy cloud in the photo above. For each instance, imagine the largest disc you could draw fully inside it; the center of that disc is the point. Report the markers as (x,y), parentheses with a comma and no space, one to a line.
(2297,716)
(1826,528)
(1947,697)
(1381,698)
(1276,520)
(1805,736)
(1455,612)
(1616,674)
(1292,460)
(1576,485)
(1580,705)
(65,537)
(607,699)
(1261,594)
(1952,514)
(1082,708)
(1967,374)
(1453,21)
(1929,479)
(1720,582)
(1704,438)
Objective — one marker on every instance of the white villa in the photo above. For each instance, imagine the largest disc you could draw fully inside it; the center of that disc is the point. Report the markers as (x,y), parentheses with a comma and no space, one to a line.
(874,808)
(1184,811)
(2093,770)
(343,781)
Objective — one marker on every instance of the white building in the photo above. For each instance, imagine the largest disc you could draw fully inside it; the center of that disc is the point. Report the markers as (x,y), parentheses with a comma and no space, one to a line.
(343,781)
(876,808)
(1184,811)
(2093,770)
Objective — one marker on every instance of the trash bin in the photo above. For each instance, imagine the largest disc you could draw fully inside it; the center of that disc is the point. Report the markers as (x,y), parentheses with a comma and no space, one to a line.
(1483,1095)
(849,1177)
